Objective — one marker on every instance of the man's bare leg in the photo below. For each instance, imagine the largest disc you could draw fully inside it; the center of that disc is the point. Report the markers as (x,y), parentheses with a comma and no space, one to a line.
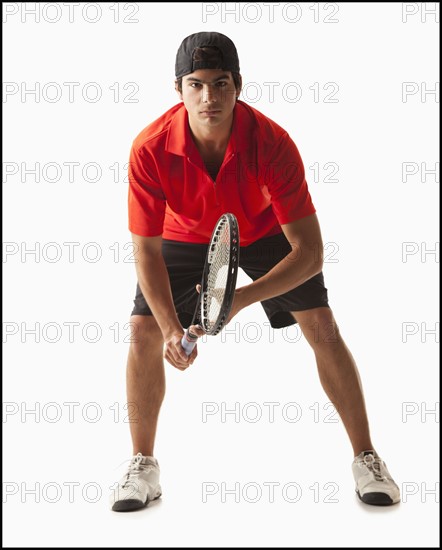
(338,373)
(145,380)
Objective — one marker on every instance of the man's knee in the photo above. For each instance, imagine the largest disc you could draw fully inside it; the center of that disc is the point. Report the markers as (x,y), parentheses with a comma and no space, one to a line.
(145,334)
(318,325)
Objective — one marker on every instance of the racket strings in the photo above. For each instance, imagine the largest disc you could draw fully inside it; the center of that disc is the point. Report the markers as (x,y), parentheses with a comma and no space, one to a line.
(217,275)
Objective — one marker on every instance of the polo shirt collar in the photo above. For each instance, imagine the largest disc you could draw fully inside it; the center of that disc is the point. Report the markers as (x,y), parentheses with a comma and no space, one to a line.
(179,139)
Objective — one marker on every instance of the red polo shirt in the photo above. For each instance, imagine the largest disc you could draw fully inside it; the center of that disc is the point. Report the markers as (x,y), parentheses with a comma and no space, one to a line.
(261,180)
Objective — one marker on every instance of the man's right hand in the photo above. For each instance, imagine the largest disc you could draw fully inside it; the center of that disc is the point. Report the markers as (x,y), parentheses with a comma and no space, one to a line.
(174,352)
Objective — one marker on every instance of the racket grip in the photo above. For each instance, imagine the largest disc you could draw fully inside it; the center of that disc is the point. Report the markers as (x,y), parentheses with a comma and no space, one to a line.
(189,341)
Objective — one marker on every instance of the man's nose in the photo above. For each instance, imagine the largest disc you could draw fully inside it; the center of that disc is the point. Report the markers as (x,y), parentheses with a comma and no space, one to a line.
(209,94)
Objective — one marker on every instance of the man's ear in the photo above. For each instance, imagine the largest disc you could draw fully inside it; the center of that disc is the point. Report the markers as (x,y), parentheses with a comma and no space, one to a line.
(180,95)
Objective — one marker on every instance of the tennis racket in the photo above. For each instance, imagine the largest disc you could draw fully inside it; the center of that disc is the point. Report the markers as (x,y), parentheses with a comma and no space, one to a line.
(218,281)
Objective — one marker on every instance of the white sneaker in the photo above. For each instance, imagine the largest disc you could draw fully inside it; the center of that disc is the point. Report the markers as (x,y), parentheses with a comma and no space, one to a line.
(374,484)
(139,486)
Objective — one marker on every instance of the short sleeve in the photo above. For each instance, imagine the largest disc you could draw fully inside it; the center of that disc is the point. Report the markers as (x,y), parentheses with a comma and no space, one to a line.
(285,182)
(147,203)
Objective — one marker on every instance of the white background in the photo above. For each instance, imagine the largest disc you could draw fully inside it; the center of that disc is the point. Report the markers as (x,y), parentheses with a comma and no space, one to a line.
(384,301)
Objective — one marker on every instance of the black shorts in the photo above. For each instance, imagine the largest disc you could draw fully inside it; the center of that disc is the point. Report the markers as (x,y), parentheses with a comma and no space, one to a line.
(185,263)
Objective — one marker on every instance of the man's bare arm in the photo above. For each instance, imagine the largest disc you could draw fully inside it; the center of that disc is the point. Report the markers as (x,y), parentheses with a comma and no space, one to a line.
(154,282)
(302,263)
(153,279)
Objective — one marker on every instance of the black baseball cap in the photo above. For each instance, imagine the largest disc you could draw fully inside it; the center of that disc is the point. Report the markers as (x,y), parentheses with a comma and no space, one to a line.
(184,58)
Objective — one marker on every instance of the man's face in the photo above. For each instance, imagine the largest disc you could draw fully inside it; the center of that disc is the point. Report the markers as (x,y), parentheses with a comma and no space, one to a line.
(209,96)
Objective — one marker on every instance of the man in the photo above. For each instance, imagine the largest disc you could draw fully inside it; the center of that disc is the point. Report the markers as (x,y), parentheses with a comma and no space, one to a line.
(208,155)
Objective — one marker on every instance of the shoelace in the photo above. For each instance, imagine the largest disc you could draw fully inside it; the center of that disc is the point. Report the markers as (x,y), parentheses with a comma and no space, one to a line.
(374,465)
(135,466)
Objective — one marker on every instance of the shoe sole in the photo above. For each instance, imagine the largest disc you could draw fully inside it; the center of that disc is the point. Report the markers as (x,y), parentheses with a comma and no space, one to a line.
(376,499)
(131,504)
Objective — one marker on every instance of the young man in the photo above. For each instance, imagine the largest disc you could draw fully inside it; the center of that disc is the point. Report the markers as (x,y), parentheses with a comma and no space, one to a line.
(209,155)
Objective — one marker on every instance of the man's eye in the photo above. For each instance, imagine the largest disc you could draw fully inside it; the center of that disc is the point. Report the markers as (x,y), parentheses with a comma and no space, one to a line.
(195,85)
(221,84)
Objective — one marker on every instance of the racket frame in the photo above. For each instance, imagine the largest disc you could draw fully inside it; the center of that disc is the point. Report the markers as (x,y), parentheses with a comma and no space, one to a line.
(189,340)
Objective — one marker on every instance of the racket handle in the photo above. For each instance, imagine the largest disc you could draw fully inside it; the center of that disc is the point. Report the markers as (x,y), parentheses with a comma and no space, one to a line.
(189,341)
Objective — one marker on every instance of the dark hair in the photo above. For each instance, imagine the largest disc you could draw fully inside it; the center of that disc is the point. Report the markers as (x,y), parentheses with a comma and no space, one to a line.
(212,56)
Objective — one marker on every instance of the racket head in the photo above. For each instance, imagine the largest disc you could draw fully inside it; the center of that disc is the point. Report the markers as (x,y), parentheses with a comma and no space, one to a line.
(220,274)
